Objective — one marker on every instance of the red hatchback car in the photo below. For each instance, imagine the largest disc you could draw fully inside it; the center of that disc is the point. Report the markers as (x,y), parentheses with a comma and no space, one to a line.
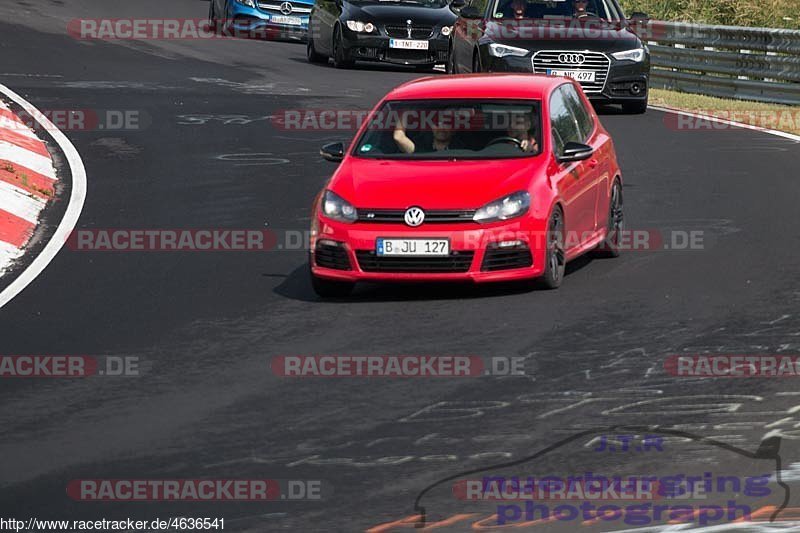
(479,177)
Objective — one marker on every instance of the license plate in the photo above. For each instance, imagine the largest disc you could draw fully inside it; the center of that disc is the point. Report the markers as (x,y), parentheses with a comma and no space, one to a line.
(290,21)
(577,75)
(412,247)
(408,44)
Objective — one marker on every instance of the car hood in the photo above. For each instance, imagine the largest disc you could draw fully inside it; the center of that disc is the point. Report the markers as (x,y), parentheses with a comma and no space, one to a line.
(391,13)
(575,36)
(441,184)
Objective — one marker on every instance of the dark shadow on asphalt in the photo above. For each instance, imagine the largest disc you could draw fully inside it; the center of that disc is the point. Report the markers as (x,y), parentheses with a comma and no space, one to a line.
(377,67)
(297,286)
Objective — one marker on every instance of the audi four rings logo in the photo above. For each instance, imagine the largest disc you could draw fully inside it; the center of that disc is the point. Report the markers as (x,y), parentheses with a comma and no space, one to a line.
(414,216)
(575,59)
(286,8)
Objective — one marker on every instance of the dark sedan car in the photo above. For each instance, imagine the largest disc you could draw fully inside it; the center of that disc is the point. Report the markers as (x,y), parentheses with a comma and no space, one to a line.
(587,40)
(404,32)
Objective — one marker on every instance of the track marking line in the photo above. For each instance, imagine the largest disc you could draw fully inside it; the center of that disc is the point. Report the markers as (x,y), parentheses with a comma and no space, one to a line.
(74,207)
(785,135)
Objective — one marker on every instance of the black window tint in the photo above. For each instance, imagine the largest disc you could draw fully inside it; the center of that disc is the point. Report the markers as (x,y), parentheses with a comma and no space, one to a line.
(579,111)
(563,122)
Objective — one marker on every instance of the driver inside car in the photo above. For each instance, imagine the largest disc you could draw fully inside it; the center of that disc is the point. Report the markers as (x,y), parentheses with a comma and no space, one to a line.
(520,129)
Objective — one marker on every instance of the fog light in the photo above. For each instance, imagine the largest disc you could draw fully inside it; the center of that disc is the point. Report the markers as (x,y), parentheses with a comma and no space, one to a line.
(636,89)
(510,244)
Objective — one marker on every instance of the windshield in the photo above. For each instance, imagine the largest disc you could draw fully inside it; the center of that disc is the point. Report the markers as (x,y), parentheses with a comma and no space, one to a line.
(448,129)
(555,10)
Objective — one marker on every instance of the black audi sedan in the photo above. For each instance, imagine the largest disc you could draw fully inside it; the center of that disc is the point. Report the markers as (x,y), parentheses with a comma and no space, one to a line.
(590,41)
(404,32)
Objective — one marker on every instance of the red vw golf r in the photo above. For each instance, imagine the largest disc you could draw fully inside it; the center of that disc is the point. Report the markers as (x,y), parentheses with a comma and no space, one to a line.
(479,177)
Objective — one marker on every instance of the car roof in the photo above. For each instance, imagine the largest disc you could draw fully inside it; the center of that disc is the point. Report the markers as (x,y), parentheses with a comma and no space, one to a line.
(505,86)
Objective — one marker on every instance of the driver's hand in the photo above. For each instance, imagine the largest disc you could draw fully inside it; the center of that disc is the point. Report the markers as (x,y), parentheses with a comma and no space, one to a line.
(529,145)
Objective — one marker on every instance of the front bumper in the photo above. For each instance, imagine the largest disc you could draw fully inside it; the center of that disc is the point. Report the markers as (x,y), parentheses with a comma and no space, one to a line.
(626,81)
(375,47)
(259,23)
(474,251)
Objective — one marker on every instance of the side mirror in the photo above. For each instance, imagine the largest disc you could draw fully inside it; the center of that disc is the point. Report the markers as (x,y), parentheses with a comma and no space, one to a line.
(332,152)
(575,152)
(457,5)
(470,12)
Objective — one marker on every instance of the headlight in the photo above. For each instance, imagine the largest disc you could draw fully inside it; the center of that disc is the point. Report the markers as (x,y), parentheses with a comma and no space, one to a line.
(447,30)
(248,3)
(511,206)
(359,27)
(637,55)
(337,208)
(501,50)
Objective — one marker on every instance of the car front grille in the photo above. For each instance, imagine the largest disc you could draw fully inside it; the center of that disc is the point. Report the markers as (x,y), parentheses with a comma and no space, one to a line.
(276,6)
(397,216)
(331,256)
(417,32)
(454,263)
(595,61)
(497,258)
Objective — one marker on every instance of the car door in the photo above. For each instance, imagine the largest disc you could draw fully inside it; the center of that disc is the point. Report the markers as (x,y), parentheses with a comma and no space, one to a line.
(574,180)
(597,166)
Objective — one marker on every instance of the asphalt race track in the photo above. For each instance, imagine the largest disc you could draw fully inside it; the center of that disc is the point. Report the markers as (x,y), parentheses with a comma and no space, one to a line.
(205,325)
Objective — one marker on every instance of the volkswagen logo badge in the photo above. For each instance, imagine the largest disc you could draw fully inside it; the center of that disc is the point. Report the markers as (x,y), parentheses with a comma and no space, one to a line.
(572,59)
(286,8)
(414,216)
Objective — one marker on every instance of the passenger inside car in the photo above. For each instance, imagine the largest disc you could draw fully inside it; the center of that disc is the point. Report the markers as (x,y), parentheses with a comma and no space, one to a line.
(440,137)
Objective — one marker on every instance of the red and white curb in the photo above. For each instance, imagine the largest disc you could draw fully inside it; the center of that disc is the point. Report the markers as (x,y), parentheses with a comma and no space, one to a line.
(27,183)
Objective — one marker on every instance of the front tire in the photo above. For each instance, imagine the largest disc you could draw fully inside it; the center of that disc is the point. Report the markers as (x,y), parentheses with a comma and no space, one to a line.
(610,247)
(340,59)
(555,256)
(476,63)
(451,67)
(311,52)
(212,17)
(635,108)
